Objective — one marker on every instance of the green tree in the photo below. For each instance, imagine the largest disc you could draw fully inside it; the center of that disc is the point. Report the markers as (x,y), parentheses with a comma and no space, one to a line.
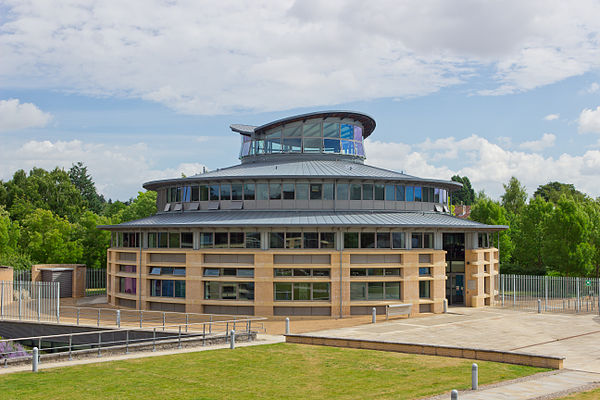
(94,241)
(466,194)
(592,208)
(49,238)
(514,197)
(87,188)
(552,191)
(490,212)
(112,209)
(144,205)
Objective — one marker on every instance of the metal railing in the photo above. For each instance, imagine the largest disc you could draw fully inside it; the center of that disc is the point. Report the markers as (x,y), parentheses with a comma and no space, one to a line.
(22,275)
(555,294)
(33,301)
(95,282)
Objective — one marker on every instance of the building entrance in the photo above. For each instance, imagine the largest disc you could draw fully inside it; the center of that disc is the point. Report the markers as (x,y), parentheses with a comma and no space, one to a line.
(454,244)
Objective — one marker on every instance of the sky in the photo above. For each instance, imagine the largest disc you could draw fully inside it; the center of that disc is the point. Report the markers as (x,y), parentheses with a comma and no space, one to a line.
(146,89)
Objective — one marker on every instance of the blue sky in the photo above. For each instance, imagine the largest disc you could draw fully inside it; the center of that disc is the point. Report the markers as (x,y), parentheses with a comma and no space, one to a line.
(147,89)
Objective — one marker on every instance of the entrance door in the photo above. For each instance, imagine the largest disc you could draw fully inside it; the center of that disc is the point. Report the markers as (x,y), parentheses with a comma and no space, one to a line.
(455,289)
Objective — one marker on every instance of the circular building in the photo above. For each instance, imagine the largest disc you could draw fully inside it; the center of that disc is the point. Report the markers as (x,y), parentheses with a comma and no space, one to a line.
(302,226)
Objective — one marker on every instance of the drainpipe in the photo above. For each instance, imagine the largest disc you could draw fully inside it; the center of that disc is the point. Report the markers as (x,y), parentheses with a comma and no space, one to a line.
(341,245)
(140,271)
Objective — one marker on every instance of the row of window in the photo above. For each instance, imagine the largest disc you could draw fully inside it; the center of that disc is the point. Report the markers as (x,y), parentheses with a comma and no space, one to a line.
(167,288)
(302,240)
(170,240)
(167,271)
(228,291)
(387,240)
(306,191)
(301,291)
(384,290)
(248,240)
(302,272)
(237,272)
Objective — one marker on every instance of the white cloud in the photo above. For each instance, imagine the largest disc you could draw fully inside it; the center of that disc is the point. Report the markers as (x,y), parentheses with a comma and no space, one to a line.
(119,171)
(536,146)
(593,88)
(589,120)
(551,117)
(488,165)
(230,56)
(15,116)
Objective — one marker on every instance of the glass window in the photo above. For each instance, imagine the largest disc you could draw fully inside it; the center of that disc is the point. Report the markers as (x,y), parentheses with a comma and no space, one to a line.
(316,191)
(331,145)
(355,192)
(351,240)
(128,268)
(358,133)
(367,240)
(327,240)
(293,240)
(347,147)
(436,195)
(392,290)
(248,191)
(203,193)
(367,191)
(320,291)
(424,271)
(155,271)
(155,287)
(195,193)
(328,191)
(374,271)
(359,149)
(153,240)
(301,291)
(246,291)
(179,271)
(221,240)
(331,130)
(228,291)
(301,272)
(262,191)
(417,241)
(418,194)
(342,191)
(283,272)
(410,193)
(225,191)
(229,271)
(288,191)
(311,240)
(214,192)
(358,290)
(187,240)
(167,288)
(347,131)
(313,145)
(163,240)
(358,272)
(301,191)
(275,191)
(236,239)
(426,195)
(212,271)
(236,191)
(375,290)
(383,240)
(276,240)
(428,240)
(206,240)
(424,292)
(292,130)
(174,240)
(283,291)
(253,240)
(211,290)
(379,191)
(321,272)
(398,241)
(180,289)
(312,129)
(292,145)
(392,272)
(245,272)
(399,193)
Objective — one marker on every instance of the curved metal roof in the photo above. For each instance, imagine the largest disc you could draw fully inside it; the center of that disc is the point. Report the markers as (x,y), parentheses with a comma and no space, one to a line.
(367,122)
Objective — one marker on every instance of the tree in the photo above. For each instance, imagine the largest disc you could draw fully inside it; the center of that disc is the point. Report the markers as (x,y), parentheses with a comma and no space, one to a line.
(514,197)
(490,212)
(552,192)
(94,241)
(466,194)
(84,183)
(144,205)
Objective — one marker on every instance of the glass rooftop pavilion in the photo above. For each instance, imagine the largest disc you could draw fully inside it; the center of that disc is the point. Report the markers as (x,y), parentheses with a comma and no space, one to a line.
(302,226)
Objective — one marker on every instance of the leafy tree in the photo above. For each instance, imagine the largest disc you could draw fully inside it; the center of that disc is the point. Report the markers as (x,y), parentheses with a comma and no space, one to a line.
(9,233)
(552,192)
(83,182)
(49,238)
(111,209)
(94,241)
(490,212)
(592,208)
(144,205)
(514,197)
(466,194)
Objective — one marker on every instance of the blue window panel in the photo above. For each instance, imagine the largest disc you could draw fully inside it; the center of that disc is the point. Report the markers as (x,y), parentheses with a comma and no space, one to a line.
(418,195)
(347,131)
(436,195)
(292,145)
(347,147)
(358,134)
(187,192)
(400,193)
(390,193)
(360,151)
(245,149)
(214,192)
(167,288)
(410,193)
(331,145)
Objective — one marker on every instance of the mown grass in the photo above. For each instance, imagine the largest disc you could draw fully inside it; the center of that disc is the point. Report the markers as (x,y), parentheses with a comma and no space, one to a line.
(590,395)
(278,371)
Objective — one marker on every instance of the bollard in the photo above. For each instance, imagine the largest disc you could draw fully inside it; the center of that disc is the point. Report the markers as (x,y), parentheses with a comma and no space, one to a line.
(118,318)
(154,339)
(445,306)
(127,342)
(474,376)
(287,326)
(454,395)
(539,306)
(34,360)
(374,315)
(232,340)
(179,338)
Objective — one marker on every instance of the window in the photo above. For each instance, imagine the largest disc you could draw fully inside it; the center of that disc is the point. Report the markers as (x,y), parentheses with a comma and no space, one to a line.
(367,240)
(249,191)
(275,191)
(301,272)
(128,268)
(390,193)
(174,241)
(313,145)
(221,240)
(225,191)
(187,240)
(367,189)
(236,191)
(422,240)
(302,191)
(236,239)
(262,191)
(331,130)
(342,191)
(206,240)
(163,240)
(410,193)
(129,239)
(311,240)
(398,240)
(358,272)
(253,240)
(316,191)
(425,271)
(167,288)
(379,191)
(293,240)
(288,191)
(127,285)
(424,289)
(400,193)
(436,195)
(327,240)
(355,192)
(328,191)
(195,193)
(301,291)
(152,240)
(375,290)
(229,290)
(213,192)
(383,240)
(167,271)
(237,272)
(351,240)
(418,194)
(203,192)
(483,240)
(276,240)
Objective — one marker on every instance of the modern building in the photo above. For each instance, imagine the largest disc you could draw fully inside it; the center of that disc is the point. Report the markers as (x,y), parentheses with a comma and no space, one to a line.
(302,227)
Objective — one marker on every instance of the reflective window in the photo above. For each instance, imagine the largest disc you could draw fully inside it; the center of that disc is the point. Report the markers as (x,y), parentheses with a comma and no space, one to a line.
(327,240)
(292,130)
(424,289)
(225,191)
(311,240)
(288,191)
(367,240)
(214,192)
(301,291)
(203,193)
(248,191)
(410,193)
(195,196)
(292,145)
(331,130)
(313,145)
(253,240)
(312,129)
(262,191)
(275,191)
(221,240)
(316,191)
(418,194)
(342,191)
(398,240)
(276,240)
(206,240)
(302,191)
(351,240)
(367,191)
(379,191)
(355,192)
(328,191)
(331,145)
(347,131)
(293,240)
(236,191)
(383,240)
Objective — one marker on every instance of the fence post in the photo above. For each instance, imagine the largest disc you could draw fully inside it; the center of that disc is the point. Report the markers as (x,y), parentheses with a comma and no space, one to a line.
(57,303)
(99,344)
(502,288)
(187,322)
(474,376)
(577,285)
(78,310)
(141,317)
(210,325)
(39,303)
(20,293)
(98,317)
(127,341)
(546,292)
(514,295)
(373,315)
(34,359)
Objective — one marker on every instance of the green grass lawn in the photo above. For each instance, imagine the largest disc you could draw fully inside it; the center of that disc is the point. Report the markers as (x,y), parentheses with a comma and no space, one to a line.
(278,371)
(591,395)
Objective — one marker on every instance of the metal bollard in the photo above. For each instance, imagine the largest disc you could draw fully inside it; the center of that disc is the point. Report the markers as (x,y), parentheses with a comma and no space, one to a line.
(118,318)
(287,326)
(179,338)
(164,320)
(127,342)
(539,306)
(34,359)
(232,340)
(154,339)
(445,306)
(474,376)
(373,315)
(454,395)
(98,317)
